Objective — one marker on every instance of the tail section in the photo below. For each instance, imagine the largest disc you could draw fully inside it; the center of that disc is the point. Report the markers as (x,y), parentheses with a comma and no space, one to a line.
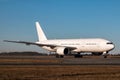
(41,35)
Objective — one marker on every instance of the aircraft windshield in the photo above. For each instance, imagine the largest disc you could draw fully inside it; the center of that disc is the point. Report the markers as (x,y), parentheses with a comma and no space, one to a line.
(109,43)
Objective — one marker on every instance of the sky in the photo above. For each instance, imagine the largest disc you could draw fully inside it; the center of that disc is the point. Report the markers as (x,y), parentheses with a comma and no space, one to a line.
(59,19)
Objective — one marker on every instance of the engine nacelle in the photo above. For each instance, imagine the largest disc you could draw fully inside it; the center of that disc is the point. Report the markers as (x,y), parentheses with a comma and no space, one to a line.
(97,53)
(62,51)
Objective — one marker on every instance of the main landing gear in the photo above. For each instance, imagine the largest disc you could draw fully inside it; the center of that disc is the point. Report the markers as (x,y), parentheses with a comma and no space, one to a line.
(59,56)
(78,55)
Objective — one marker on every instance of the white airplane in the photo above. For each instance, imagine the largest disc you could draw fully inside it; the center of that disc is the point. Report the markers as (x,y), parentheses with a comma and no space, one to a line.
(61,47)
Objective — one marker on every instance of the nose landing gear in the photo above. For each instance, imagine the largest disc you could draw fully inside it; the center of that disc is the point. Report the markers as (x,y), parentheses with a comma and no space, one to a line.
(105,54)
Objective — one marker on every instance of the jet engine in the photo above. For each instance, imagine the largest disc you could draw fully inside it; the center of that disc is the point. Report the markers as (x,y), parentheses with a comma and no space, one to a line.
(62,51)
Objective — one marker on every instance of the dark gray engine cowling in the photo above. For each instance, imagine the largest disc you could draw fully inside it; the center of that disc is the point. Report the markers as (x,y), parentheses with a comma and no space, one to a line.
(62,51)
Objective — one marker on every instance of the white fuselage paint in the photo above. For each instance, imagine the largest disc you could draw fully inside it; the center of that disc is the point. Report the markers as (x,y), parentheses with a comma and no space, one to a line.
(82,45)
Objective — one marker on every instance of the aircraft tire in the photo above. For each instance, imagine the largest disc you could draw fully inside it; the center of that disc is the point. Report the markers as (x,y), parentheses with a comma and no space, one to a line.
(78,56)
(59,56)
(105,56)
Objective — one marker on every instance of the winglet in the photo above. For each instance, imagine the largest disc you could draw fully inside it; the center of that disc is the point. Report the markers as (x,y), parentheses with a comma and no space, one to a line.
(41,35)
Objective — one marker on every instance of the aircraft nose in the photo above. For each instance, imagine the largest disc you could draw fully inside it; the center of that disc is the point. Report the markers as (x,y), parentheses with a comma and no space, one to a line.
(112,46)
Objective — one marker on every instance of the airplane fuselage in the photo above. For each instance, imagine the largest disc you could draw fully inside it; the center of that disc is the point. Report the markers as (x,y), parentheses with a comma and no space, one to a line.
(82,45)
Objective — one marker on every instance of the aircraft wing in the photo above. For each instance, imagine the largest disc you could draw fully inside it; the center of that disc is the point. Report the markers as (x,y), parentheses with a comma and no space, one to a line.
(40,44)
(23,42)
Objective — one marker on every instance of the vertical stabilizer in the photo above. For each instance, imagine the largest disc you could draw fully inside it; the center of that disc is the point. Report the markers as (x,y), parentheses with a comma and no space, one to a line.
(41,35)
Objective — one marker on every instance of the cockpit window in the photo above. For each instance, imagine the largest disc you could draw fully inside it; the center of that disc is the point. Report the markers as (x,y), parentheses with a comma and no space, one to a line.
(109,43)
